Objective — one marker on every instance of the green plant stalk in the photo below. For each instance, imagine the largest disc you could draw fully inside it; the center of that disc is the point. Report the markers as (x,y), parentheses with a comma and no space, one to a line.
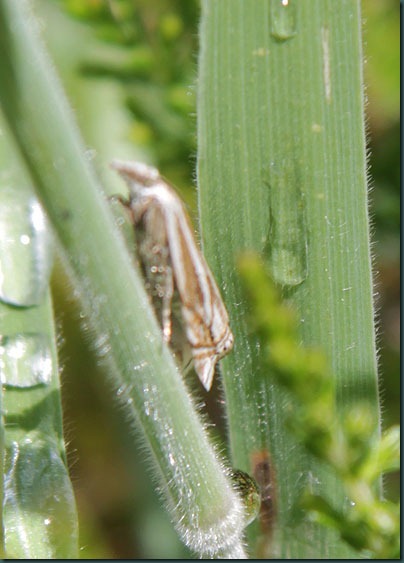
(39,512)
(39,518)
(282,171)
(205,509)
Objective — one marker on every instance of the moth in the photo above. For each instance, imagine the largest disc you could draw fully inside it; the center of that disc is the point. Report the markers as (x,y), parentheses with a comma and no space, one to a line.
(173,263)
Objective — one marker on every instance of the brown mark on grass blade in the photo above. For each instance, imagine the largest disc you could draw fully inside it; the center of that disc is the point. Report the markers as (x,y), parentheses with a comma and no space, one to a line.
(263,473)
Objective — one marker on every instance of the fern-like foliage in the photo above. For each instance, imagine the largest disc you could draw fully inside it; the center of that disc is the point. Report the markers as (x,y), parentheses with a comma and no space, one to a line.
(348,442)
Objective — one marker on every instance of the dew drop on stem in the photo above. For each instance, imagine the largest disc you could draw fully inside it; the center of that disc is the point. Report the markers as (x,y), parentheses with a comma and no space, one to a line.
(283,19)
(25,249)
(287,238)
(25,360)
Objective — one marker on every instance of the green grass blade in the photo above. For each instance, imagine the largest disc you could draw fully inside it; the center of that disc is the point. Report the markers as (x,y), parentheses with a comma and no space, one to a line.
(39,512)
(282,171)
(39,517)
(205,510)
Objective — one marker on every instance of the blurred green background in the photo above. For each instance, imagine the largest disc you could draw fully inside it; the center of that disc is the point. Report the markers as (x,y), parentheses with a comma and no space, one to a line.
(129,68)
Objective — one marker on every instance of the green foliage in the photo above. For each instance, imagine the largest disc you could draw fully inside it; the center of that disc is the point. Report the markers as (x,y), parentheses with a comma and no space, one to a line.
(347,440)
(38,516)
(147,47)
(282,171)
(207,512)
(256,105)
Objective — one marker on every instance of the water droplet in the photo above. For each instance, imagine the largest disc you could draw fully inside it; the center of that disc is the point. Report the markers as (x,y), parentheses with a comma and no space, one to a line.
(102,345)
(90,154)
(59,163)
(25,249)
(248,489)
(287,238)
(121,390)
(283,19)
(35,475)
(25,360)
(140,366)
(146,405)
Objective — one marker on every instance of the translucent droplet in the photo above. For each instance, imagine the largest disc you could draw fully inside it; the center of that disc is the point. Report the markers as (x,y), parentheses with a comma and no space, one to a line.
(283,19)
(121,390)
(36,476)
(25,360)
(287,238)
(248,489)
(102,345)
(90,154)
(25,249)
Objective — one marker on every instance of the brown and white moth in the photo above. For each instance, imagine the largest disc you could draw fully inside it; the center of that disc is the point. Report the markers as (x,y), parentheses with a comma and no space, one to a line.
(174,262)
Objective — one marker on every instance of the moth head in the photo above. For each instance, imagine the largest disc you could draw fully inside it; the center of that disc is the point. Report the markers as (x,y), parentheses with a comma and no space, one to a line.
(136,172)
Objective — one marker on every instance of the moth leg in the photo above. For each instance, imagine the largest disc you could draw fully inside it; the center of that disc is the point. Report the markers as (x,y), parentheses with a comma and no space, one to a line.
(167,303)
(121,202)
(119,197)
(134,210)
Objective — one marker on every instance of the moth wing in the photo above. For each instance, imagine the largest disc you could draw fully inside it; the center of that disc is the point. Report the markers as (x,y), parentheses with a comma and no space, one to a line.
(205,368)
(203,308)
(204,314)
(153,251)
